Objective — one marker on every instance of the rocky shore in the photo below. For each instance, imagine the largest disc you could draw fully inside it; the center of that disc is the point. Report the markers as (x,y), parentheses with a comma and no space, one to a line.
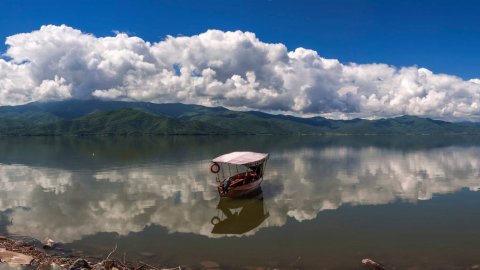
(30,254)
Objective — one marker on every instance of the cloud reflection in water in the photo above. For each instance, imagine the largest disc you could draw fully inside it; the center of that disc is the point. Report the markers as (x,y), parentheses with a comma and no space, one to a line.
(67,205)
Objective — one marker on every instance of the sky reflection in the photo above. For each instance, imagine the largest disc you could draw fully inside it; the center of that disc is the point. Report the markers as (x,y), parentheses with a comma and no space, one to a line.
(68,204)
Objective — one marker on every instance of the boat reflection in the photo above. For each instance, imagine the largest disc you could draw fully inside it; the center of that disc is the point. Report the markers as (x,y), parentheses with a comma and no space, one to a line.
(238,216)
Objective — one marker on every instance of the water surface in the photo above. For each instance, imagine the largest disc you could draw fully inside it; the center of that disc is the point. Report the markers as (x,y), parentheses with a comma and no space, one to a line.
(326,202)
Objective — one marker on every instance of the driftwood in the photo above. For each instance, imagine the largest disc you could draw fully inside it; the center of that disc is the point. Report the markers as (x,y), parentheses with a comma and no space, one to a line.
(111,252)
(373,264)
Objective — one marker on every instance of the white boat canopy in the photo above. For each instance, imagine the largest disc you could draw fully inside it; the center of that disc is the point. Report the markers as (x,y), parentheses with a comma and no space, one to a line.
(242,158)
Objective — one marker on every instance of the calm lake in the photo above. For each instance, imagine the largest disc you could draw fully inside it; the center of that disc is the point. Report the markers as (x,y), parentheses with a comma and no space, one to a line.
(326,202)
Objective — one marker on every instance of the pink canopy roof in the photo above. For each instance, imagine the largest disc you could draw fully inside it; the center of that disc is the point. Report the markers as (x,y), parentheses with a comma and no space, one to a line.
(242,158)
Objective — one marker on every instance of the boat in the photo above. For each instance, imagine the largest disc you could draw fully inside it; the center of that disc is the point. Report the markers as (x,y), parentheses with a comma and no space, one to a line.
(239,173)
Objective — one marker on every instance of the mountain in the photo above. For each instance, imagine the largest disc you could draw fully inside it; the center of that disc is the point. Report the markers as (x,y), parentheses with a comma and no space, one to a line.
(71,109)
(127,121)
(96,117)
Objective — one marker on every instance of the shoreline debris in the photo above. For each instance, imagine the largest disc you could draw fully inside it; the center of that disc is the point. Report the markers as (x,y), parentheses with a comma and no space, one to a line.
(37,255)
(373,264)
(49,244)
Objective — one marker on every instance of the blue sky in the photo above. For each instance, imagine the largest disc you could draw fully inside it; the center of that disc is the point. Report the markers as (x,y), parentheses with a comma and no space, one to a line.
(443,36)
(338,59)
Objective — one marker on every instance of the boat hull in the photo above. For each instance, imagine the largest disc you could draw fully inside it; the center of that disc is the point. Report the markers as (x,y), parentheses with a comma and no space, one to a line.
(239,191)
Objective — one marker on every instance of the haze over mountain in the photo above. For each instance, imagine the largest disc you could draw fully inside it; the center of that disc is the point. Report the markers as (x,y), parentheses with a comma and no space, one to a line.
(96,117)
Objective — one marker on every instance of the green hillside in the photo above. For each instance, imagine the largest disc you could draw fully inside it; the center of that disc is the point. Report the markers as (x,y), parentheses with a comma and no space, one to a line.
(125,121)
(95,117)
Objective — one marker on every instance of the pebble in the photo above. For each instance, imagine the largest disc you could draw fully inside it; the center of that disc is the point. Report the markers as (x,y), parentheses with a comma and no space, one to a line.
(49,244)
(80,264)
(19,243)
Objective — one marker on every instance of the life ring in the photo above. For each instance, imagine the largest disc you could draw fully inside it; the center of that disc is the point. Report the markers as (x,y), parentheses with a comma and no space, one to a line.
(215,220)
(215,168)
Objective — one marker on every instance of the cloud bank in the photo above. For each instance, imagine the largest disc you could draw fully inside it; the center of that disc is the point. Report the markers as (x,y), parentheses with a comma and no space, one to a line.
(216,68)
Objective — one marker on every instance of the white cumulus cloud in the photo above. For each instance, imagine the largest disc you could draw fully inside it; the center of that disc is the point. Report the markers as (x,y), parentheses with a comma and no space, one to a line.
(217,68)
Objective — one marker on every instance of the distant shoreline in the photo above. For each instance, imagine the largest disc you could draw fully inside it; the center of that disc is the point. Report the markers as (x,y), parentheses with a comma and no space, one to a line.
(139,135)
